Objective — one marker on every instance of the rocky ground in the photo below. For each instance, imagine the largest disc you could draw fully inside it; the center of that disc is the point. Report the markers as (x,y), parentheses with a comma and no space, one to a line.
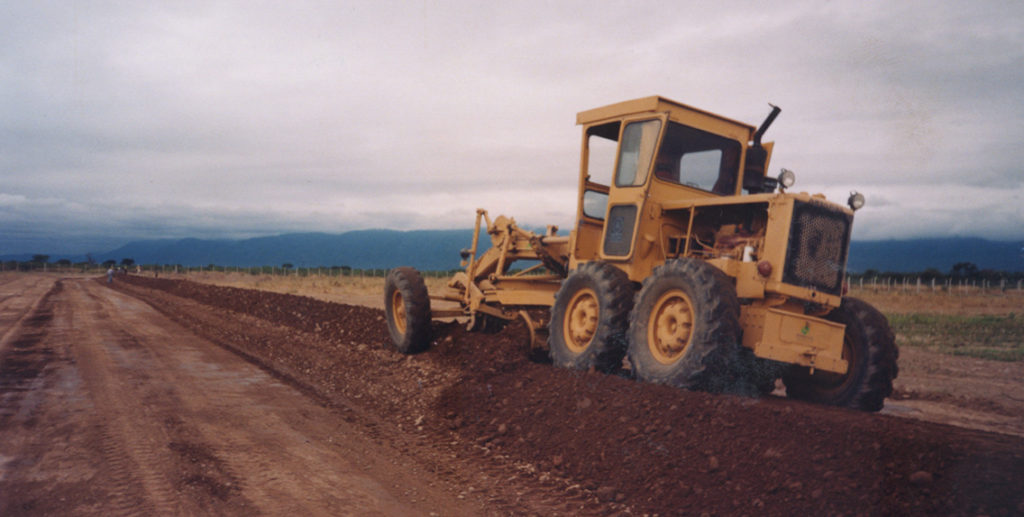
(505,433)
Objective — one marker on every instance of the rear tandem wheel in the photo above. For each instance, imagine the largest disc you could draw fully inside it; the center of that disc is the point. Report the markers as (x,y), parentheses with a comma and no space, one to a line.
(590,317)
(685,330)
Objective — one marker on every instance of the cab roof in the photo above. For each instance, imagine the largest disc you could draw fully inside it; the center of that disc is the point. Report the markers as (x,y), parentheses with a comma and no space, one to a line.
(655,104)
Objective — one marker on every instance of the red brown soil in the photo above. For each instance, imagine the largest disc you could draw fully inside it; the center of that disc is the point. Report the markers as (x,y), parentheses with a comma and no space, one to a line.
(612,444)
(539,440)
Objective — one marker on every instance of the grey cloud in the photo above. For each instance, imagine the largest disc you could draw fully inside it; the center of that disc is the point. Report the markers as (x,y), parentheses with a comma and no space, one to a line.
(232,119)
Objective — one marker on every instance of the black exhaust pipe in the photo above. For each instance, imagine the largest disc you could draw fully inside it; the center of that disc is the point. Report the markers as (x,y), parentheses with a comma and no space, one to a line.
(764,125)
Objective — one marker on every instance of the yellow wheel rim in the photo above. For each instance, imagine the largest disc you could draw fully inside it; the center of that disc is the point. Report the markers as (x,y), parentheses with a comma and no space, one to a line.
(581,320)
(398,311)
(670,329)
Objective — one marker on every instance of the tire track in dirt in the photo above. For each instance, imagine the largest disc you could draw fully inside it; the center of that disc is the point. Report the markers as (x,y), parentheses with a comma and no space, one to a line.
(160,433)
(51,364)
(128,444)
(138,416)
(26,371)
(23,296)
(92,418)
(363,391)
(24,357)
(262,462)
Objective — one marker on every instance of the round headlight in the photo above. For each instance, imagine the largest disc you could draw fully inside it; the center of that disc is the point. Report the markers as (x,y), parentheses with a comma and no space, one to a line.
(787,178)
(856,200)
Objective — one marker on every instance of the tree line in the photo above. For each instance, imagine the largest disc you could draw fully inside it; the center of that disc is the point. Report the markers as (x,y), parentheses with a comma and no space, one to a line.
(959,272)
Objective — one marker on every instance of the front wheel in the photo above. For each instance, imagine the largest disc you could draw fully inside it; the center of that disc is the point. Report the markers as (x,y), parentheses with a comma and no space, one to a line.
(685,329)
(589,318)
(870,351)
(407,307)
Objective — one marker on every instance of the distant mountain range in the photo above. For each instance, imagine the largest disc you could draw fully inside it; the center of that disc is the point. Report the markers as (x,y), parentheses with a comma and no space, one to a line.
(916,255)
(439,250)
(364,249)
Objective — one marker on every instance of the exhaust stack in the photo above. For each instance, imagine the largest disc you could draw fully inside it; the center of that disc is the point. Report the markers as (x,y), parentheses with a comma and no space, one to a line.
(764,125)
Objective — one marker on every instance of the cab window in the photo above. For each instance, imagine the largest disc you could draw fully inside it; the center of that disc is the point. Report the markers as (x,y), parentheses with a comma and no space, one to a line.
(602,143)
(639,140)
(698,159)
(595,204)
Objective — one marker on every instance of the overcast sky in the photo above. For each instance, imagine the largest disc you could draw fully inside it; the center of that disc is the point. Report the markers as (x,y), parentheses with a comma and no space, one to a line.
(132,120)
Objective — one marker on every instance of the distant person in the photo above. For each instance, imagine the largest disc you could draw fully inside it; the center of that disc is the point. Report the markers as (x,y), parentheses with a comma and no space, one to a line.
(110,274)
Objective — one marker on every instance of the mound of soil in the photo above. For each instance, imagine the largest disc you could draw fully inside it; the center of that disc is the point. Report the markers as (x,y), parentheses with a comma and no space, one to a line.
(604,444)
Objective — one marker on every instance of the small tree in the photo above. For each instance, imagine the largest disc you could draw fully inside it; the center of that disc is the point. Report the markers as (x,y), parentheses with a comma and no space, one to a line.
(964,270)
(40,259)
(127,261)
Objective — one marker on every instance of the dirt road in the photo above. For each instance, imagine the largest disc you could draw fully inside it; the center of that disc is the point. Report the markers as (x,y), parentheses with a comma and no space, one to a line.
(174,397)
(111,408)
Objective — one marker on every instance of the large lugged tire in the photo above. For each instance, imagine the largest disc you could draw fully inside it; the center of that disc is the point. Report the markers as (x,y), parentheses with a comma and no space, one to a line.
(870,351)
(760,374)
(589,318)
(407,306)
(685,329)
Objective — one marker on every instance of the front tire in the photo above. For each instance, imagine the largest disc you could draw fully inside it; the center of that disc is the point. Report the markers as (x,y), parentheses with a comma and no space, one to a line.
(685,329)
(407,306)
(589,318)
(869,349)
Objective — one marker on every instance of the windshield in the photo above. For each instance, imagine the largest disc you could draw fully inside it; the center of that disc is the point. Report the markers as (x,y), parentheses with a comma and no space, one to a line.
(698,159)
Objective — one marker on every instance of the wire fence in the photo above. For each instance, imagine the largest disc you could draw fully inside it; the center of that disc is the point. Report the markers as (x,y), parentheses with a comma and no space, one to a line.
(933,285)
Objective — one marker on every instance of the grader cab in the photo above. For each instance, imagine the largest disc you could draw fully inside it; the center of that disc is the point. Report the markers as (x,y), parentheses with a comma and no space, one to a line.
(686,259)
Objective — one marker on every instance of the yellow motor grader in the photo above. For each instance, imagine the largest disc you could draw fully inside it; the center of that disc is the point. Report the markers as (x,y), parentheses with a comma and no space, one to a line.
(686,258)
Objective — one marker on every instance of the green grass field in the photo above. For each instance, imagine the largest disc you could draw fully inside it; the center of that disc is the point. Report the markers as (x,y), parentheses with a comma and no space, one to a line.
(997,337)
(986,324)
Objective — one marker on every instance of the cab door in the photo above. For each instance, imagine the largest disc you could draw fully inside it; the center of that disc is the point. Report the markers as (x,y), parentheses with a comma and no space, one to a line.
(638,145)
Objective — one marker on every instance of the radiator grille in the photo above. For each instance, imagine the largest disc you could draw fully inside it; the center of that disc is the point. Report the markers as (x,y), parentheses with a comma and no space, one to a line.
(819,240)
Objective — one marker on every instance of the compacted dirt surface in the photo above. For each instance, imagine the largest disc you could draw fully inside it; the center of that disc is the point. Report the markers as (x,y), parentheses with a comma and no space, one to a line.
(166,396)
